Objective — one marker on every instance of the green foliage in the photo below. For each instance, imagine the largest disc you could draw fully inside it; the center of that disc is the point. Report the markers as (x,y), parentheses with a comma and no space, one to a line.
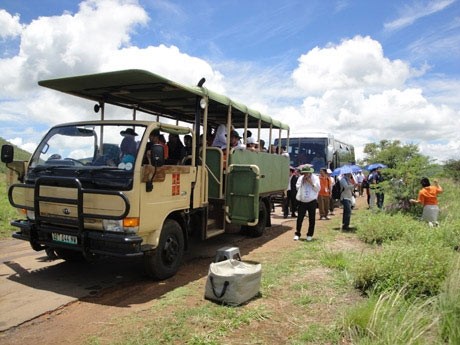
(406,166)
(334,260)
(7,212)
(452,169)
(421,268)
(392,153)
(376,228)
(449,307)
(393,320)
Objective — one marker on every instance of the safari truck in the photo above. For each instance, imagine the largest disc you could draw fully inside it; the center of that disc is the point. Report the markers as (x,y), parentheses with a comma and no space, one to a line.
(101,188)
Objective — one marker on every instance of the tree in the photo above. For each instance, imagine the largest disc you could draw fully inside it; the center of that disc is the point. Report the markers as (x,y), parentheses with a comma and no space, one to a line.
(406,166)
(452,168)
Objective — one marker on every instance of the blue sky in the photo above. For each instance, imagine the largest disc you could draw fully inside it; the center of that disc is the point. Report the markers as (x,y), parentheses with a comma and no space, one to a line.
(362,70)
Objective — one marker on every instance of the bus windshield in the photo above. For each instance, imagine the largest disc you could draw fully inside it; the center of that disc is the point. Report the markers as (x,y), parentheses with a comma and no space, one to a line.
(319,152)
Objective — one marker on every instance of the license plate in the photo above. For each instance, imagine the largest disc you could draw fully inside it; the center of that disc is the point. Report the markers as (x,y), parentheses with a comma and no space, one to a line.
(64,238)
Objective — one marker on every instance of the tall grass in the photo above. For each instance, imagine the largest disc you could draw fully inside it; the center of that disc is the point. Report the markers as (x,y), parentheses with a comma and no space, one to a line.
(393,320)
(449,307)
(415,272)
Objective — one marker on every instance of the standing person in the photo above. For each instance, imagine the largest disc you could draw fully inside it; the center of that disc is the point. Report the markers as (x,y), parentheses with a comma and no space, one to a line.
(372,182)
(331,199)
(379,192)
(428,197)
(360,180)
(307,193)
(324,194)
(290,200)
(347,184)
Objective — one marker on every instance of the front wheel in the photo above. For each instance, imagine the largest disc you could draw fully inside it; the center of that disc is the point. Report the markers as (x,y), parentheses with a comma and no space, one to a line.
(164,261)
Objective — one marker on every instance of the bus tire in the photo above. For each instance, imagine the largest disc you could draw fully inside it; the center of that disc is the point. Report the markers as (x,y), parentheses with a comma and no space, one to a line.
(164,261)
(258,229)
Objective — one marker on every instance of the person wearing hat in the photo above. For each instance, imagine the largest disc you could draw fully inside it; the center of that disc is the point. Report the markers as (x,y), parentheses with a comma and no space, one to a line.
(128,147)
(235,141)
(251,144)
(307,194)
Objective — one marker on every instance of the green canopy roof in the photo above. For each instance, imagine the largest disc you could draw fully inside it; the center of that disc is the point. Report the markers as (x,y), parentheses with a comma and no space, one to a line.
(151,93)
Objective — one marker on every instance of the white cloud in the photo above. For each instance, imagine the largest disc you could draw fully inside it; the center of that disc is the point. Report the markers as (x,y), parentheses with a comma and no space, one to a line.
(350,89)
(10,25)
(358,62)
(361,96)
(409,14)
(96,38)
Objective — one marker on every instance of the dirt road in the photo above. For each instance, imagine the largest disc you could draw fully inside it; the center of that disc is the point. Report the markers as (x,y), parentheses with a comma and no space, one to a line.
(39,297)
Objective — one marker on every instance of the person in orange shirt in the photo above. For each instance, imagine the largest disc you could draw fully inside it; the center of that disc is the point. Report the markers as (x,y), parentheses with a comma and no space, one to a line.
(428,197)
(324,194)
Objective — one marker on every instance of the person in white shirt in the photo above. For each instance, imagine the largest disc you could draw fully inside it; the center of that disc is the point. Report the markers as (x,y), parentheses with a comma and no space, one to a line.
(307,194)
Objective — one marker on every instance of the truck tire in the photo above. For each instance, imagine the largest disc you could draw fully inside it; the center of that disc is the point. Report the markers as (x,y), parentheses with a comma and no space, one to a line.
(164,261)
(258,229)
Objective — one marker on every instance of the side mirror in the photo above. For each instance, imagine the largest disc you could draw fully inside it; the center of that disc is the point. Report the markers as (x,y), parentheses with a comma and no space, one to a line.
(7,153)
(157,155)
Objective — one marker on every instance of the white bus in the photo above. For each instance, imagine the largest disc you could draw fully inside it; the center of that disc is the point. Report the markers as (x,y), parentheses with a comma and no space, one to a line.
(319,149)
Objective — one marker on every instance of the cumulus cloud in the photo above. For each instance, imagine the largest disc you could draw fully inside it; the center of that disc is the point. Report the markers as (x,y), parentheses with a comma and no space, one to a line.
(87,41)
(360,95)
(357,62)
(349,88)
(10,25)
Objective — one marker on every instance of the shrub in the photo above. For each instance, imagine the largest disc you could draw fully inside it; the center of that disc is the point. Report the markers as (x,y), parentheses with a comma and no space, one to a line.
(377,228)
(420,267)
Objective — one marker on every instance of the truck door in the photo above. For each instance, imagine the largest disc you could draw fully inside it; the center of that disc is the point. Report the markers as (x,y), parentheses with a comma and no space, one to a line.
(242,194)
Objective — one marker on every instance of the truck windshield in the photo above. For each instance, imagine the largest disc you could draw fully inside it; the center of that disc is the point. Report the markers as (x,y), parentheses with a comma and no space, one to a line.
(90,150)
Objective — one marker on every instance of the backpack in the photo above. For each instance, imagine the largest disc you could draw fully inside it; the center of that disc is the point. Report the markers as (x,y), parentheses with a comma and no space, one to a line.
(336,190)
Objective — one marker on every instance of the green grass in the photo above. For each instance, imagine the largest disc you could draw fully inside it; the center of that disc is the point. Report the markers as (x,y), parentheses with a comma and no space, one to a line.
(7,212)
(392,320)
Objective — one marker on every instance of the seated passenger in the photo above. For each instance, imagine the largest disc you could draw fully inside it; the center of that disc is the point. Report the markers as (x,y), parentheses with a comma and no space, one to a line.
(176,149)
(188,144)
(220,137)
(154,138)
(128,147)
(251,144)
(235,141)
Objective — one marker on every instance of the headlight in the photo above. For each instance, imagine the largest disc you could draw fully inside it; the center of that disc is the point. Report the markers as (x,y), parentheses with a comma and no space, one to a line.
(112,225)
(129,225)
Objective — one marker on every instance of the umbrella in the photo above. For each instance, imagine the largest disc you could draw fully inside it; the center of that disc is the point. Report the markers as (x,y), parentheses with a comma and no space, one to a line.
(346,169)
(373,166)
